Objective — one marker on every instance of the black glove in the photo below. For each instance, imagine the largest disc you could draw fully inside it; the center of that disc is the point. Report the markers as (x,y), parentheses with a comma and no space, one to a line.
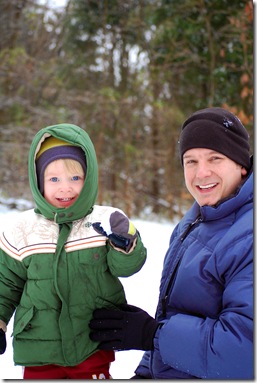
(139,377)
(118,228)
(125,329)
(2,342)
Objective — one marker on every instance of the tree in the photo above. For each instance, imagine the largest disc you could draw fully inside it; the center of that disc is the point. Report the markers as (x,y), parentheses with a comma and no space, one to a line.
(129,72)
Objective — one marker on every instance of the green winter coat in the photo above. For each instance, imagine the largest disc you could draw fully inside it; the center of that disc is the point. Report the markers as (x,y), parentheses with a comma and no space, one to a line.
(55,269)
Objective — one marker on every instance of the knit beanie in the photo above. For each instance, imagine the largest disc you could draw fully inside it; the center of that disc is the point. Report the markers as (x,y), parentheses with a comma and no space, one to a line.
(53,149)
(219,130)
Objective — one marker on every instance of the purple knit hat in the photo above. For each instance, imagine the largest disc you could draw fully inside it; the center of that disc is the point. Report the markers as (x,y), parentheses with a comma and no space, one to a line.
(53,149)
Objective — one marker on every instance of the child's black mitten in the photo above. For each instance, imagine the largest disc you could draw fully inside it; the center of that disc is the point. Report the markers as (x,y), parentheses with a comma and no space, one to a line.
(2,342)
(119,229)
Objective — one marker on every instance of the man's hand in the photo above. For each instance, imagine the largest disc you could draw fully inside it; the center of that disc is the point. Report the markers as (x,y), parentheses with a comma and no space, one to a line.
(124,329)
(2,342)
(119,229)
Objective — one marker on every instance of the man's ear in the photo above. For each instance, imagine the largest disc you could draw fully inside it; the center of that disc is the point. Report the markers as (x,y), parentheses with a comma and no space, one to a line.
(243,171)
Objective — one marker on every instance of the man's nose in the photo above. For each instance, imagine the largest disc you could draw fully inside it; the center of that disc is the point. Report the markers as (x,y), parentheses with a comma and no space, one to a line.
(203,169)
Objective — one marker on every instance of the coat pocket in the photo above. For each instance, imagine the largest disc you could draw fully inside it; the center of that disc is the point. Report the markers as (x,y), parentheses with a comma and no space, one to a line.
(21,321)
(111,303)
(93,257)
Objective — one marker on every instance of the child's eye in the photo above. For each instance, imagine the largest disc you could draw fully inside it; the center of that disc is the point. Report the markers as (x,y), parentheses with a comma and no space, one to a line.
(54,179)
(76,178)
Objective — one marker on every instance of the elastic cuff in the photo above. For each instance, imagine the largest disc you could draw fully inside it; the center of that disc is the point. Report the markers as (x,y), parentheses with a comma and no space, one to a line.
(3,325)
(133,245)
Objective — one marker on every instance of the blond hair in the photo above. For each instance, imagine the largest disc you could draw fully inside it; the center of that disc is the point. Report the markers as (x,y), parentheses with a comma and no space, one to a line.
(72,166)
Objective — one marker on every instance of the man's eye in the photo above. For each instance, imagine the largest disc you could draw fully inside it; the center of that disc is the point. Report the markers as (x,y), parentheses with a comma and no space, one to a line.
(54,179)
(190,162)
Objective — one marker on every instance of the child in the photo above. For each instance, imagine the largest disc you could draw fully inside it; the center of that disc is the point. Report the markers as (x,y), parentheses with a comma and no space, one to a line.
(61,261)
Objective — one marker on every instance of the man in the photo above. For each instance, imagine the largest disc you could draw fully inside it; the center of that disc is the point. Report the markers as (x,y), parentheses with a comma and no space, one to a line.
(204,320)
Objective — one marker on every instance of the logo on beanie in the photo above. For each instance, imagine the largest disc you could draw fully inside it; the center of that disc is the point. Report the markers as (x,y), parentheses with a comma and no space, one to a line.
(227,123)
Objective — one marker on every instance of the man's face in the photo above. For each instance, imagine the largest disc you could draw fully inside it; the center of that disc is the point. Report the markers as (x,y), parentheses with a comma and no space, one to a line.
(210,176)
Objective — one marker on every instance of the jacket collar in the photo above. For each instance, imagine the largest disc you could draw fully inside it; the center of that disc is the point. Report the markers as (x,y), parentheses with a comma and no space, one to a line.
(243,196)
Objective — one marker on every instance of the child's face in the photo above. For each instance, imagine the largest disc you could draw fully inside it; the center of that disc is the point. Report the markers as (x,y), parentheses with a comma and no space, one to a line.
(62,183)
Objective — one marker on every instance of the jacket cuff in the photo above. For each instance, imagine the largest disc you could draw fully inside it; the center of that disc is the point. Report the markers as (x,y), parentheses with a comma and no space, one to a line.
(133,246)
(3,325)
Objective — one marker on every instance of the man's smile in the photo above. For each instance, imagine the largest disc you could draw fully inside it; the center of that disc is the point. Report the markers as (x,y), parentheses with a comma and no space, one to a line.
(207,187)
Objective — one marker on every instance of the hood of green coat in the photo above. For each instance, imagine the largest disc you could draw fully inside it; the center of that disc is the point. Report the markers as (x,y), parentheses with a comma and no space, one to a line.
(84,203)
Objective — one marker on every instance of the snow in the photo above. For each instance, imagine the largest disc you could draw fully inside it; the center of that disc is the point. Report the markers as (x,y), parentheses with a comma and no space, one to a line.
(141,290)
(54,3)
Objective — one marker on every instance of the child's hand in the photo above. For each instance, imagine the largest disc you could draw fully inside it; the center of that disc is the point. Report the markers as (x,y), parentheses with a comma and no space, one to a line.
(119,229)
(2,342)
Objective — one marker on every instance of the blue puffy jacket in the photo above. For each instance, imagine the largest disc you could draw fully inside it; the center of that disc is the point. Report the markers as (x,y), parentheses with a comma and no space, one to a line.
(206,295)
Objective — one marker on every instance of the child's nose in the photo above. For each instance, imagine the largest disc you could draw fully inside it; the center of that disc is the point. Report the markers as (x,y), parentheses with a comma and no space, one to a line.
(65,185)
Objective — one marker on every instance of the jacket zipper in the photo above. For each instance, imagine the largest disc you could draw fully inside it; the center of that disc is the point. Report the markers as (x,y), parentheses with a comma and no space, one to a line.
(174,274)
(189,228)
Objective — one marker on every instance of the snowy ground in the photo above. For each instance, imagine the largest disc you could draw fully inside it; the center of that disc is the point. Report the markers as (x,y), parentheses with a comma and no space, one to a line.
(141,290)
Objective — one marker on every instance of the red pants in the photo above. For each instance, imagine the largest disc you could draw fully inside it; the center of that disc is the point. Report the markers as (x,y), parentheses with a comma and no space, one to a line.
(95,367)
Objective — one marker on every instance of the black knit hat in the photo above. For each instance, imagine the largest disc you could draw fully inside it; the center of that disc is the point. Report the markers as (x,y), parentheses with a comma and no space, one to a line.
(219,130)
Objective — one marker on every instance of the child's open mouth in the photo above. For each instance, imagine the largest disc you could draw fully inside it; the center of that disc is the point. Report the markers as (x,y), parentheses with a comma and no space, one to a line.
(65,202)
